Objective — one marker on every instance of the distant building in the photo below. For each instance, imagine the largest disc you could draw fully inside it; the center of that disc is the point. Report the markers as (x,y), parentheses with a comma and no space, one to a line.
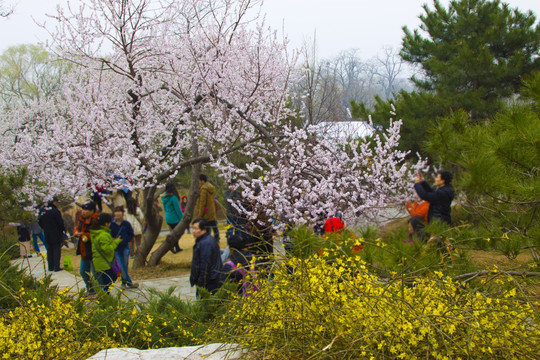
(344,129)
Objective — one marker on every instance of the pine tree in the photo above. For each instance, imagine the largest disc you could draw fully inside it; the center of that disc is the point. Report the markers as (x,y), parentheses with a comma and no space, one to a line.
(471,56)
(499,165)
(12,201)
(474,54)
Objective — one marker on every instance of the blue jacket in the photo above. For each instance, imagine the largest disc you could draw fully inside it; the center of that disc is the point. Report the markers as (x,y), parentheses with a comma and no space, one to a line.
(124,230)
(171,205)
(206,264)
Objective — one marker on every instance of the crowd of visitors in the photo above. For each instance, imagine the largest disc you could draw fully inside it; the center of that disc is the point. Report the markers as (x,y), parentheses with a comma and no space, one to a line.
(106,242)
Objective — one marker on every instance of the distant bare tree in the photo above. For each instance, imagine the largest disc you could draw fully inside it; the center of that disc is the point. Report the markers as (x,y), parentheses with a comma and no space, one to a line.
(318,96)
(388,66)
(355,77)
(329,85)
(5,11)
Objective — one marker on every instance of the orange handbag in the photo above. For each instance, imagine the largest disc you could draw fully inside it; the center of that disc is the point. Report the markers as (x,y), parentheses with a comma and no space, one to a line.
(419,208)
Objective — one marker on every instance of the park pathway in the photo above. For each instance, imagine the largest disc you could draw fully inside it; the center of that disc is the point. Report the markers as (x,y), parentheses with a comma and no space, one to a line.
(36,266)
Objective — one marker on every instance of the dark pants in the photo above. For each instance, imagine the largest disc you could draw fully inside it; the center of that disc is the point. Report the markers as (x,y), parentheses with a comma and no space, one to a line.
(176,247)
(53,256)
(213,225)
(417,226)
(86,268)
(105,279)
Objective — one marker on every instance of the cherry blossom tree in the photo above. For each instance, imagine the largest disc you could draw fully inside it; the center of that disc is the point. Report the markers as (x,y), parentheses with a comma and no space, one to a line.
(159,87)
(320,175)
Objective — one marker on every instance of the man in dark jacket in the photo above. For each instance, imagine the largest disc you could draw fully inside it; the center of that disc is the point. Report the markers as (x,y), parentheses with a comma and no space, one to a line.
(206,263)
(50,220)
(440,198)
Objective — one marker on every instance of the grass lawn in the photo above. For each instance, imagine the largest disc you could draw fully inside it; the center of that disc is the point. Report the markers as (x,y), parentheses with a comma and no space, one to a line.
(170,265)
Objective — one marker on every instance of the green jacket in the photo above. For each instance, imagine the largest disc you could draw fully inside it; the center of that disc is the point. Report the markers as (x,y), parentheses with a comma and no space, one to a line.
(103,240)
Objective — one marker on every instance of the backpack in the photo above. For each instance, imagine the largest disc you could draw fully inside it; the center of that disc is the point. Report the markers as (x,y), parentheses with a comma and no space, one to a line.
(23,233)
(333,224)
(419,208)
(247,286)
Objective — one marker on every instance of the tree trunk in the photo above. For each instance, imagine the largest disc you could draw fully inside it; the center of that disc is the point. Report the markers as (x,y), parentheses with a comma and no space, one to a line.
(178,231)
(153,221)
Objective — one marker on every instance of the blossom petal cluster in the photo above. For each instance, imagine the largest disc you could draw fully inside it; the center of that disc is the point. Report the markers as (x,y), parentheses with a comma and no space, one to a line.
(156,87)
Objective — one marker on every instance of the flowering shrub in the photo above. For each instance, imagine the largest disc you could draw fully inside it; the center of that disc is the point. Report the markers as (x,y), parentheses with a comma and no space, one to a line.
(36,330)
(323,302)
(386,255)
(38,322)
(68,327)
(313,308)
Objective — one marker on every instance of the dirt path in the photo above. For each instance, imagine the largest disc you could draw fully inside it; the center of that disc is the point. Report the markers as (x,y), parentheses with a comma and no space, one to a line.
(178,264)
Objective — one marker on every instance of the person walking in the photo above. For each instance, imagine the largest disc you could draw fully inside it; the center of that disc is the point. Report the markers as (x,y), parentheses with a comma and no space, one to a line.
(50,220)
(206,207)
(84,244)
(183,203)
(103,249)
(206,262)
(173,213)
(123,230)
(37,233)
(135,217)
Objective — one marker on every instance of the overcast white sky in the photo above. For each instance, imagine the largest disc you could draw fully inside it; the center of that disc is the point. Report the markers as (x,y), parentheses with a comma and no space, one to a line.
(339,25)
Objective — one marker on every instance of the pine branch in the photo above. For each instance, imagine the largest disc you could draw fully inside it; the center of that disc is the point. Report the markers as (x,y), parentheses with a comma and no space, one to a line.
(471,276)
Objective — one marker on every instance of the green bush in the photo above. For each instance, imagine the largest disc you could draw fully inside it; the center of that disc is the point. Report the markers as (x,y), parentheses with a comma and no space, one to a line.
(9,244)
